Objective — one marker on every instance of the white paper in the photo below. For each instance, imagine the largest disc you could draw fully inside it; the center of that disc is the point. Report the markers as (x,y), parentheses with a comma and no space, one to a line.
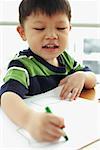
(82,123)
(50,97)
(81,120)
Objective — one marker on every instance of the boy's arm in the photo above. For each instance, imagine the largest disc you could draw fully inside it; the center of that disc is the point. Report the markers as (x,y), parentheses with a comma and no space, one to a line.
(74,83)
(15,108)
(34,122)
(90,80)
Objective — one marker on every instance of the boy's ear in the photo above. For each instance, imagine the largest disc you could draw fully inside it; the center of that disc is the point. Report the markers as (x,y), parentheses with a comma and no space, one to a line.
(20,30)
(70,26)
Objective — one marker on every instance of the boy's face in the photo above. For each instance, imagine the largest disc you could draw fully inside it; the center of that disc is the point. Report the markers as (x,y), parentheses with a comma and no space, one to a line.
(46,36)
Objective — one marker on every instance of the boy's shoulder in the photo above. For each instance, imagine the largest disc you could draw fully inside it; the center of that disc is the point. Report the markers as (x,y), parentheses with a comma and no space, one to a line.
(66,54)
(23,59)
(23,54)
(68,58)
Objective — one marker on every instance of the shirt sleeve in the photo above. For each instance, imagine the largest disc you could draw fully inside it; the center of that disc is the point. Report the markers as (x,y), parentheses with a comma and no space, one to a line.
(16,79)
(73,65)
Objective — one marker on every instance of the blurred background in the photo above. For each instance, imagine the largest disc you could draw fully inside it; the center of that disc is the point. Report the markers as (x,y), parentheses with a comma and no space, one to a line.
(84,39)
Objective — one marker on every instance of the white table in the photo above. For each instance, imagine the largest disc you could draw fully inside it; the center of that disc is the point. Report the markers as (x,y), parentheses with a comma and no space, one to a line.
(10,137)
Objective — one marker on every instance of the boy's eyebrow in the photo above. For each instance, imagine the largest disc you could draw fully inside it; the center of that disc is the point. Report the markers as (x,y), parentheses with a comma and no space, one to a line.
(38,21)
(62,22)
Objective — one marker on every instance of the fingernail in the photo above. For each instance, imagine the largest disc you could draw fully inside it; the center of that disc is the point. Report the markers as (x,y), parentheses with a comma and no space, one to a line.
(62,127)
(75,98)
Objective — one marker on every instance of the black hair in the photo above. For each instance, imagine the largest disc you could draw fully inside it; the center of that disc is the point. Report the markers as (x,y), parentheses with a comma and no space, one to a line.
(48,7)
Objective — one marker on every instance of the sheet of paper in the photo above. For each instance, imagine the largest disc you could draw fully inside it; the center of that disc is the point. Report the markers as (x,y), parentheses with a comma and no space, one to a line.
(92,146)
(9,136)
(81,120)
(46,98)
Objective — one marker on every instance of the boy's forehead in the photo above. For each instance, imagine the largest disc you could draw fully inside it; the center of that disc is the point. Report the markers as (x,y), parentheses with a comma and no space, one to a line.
(57,16)
(43,18)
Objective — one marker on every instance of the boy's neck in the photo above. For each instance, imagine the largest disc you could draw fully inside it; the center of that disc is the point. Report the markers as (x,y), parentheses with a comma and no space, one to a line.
(53,62)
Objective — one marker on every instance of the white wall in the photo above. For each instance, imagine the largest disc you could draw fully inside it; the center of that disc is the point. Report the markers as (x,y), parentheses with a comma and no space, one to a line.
(83,11)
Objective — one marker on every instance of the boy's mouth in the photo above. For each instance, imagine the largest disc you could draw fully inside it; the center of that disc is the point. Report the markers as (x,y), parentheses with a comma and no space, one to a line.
(50,46)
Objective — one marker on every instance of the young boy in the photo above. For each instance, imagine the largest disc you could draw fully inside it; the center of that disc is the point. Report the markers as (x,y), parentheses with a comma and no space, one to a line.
(45,24)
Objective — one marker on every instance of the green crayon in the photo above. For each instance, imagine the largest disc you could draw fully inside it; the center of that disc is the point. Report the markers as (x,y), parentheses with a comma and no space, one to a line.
(48,110)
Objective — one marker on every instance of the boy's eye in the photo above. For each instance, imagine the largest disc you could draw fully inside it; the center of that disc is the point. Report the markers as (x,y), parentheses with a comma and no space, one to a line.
(62,28)
(39,29)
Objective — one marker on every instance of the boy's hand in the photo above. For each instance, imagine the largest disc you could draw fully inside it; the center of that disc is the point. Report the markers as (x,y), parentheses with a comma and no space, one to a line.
(72,85)
(45,126)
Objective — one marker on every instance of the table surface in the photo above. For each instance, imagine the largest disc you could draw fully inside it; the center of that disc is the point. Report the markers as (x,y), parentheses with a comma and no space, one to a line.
(91,94)
(94,95)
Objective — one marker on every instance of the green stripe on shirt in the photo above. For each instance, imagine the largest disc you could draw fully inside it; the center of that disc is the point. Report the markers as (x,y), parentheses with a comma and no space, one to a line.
(19,74)
(35,68)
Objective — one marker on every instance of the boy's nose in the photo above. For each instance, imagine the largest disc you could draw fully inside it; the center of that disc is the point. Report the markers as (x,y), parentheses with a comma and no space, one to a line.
(51,35)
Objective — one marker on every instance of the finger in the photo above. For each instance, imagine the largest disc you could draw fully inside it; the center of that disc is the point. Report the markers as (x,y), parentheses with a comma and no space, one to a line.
(63,81)
(69,96)
(57,121)
(49,137)
(65,92)
(78,94)
(54,130)
(74,93)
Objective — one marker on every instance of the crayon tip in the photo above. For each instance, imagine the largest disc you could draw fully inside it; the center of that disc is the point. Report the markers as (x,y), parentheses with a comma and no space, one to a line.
(66,138)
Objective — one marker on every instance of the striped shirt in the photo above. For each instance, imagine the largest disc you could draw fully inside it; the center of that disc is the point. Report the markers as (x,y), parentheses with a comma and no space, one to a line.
(28,74)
